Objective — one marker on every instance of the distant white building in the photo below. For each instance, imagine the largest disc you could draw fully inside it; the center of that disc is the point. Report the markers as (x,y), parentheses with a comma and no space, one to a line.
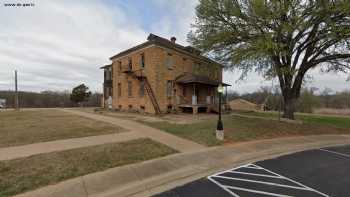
(2,103)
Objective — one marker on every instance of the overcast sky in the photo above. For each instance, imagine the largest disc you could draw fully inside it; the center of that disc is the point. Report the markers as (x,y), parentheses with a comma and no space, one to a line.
(58,44)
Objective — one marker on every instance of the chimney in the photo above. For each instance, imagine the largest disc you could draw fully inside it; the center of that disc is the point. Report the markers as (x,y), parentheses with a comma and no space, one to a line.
(173,39)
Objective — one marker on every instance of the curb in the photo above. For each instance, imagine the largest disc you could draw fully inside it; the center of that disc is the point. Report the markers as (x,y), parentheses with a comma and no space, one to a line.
(158,175)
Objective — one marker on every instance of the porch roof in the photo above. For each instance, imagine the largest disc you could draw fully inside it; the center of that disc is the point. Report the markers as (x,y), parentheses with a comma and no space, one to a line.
(192,78)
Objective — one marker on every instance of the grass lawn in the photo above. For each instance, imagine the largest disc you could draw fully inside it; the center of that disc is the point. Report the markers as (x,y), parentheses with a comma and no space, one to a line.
(31,126)
(239,129)
(329,120)
(16,176)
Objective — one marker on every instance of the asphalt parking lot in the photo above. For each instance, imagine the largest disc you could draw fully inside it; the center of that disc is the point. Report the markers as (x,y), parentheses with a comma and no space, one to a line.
(312,173)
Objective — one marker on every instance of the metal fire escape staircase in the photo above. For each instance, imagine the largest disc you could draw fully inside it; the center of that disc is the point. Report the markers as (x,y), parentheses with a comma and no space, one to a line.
(141,77)
(151,96)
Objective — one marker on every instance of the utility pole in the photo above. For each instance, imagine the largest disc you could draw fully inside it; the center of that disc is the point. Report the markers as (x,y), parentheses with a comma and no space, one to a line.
(16,92)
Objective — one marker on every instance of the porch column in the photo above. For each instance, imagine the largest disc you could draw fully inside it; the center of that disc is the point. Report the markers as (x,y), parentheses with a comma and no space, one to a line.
(194,100)
(195,109)
(194,96)
(226,98)
(103,97)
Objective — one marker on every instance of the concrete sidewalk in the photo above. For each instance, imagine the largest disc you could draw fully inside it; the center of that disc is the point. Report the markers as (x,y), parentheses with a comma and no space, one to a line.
(177,143)
(158,175)
(61,145)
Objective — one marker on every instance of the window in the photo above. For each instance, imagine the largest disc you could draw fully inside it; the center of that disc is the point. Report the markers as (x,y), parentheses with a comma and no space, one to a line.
(169,63)
(196,66)
(112,70)
(130,64)
(142,88)
(119,89)
(169,88)
(110,92)
(107,74)
(184,91)
(142,61)
(119,67)
(129,88)
(142,108)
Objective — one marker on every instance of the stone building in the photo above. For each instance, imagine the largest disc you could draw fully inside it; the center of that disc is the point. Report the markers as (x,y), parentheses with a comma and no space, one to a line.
(160,76)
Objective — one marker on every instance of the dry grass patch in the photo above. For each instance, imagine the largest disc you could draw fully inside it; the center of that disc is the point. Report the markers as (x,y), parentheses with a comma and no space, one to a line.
(315,119)
(180,118)
(16,176)
(332,111)
(32,126)
(238,129)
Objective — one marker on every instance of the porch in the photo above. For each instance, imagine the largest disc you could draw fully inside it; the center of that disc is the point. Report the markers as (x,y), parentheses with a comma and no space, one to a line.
(198,94)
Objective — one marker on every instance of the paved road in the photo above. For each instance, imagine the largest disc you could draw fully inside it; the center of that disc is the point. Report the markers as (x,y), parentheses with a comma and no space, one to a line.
(313,173)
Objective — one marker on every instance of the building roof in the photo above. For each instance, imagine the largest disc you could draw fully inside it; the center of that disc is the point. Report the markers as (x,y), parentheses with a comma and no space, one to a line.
(105,66)
(157,40)
(241,104)
(192,78)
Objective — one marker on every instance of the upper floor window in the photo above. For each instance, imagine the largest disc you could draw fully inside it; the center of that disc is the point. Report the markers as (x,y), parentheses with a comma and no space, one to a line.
(142,60)
(108,73)
(196,65)
(112,70)
(130,64)
(119,67)
(169,63)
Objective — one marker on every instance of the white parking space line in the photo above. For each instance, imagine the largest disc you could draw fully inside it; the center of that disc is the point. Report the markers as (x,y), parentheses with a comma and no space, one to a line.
(262,182)
(221,175)
(254,174)
(298,183)
(223,187)
(334,152)
(251,166)
(258,192)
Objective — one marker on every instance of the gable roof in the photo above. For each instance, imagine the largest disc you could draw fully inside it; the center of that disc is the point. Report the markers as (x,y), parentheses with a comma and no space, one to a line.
(157,40)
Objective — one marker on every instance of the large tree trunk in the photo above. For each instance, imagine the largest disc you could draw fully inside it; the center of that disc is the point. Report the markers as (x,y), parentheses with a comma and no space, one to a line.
(289,99)
(289,107)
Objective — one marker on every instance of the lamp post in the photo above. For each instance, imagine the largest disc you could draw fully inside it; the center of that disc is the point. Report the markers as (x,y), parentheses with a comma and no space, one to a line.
(220,127)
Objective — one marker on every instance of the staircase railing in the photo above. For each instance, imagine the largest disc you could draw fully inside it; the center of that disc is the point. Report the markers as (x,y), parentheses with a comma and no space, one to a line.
(141,76)
(152,96)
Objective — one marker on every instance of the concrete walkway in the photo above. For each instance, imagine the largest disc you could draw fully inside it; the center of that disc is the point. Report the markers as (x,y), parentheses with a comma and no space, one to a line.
(60,145)
(158,175)
(177,143)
